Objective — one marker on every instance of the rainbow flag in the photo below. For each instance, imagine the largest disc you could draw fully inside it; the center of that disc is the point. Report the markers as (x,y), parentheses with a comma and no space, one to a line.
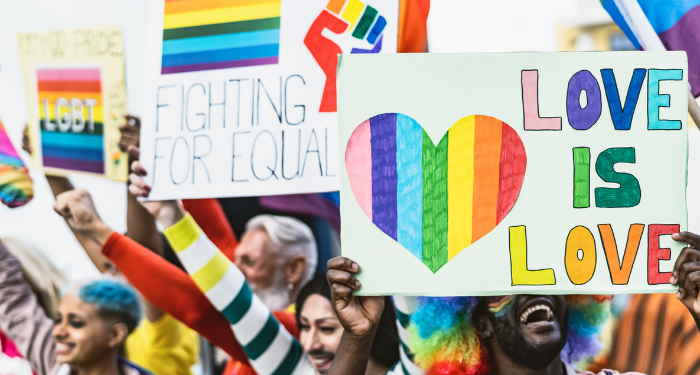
(435,201)
(72,128)
(219,34)
(676,22)
(15,184)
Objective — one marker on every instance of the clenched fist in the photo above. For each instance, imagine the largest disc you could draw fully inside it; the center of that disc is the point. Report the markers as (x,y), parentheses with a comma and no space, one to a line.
(77,208)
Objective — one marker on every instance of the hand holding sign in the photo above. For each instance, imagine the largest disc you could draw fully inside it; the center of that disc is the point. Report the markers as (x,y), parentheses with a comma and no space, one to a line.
(358,315)
(433,167)
(167,212)
(686,272)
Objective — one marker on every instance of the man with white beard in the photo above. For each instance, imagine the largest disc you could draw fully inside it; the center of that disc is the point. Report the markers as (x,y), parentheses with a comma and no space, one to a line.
(277,255)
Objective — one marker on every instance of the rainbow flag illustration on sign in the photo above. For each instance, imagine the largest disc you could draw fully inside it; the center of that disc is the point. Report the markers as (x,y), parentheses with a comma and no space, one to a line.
(216,34)
(77,101)
(72,128)
(240,96)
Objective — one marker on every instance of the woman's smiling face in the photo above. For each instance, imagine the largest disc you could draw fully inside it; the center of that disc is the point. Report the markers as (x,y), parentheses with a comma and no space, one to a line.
(319,332)
(81,334)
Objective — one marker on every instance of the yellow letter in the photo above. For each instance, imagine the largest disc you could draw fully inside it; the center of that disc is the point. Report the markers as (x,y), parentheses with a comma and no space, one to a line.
(519,273)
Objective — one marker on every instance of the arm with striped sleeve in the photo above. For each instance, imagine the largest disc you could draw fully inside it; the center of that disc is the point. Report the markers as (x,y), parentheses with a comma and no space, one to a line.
(404,308)
(268,345)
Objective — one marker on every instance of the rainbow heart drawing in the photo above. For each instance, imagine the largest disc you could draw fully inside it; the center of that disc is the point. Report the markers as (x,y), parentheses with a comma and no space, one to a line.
(435,201)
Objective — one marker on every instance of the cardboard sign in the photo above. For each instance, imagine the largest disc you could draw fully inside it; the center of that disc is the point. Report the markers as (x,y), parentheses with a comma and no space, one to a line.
(241,97)
(75,86)
(508,173)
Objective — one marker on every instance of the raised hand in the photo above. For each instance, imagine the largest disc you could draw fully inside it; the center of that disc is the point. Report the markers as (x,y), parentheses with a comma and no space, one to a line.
(686,272)
(77,208)
(338,17)
(358,315)
(166,212)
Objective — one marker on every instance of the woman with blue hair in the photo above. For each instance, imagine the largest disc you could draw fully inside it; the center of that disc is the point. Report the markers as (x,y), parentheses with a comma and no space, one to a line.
(93,320)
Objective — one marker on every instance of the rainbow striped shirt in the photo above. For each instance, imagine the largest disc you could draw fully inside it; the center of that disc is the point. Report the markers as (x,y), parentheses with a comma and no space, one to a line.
(270,348)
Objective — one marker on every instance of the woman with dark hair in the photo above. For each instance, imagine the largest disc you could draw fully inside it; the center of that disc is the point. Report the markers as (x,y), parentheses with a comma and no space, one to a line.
(320,330)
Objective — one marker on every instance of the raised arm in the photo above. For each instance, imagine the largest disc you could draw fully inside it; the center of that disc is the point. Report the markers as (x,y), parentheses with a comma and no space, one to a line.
(268,345)
(172,290)
(209,214)
(60,185)
(21,317)
(360,319)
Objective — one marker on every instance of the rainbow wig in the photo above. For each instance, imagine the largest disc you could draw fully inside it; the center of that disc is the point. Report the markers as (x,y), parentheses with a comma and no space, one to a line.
(444,342)
(112,297)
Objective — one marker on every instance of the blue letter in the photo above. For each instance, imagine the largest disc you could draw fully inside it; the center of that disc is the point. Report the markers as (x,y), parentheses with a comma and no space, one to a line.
(657,100)
(622,118)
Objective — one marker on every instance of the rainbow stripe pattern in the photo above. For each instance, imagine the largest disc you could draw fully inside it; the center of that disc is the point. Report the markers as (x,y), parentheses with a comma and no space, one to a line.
(435,201)
(363,20)
(15,184)
(219,34)
(76,148)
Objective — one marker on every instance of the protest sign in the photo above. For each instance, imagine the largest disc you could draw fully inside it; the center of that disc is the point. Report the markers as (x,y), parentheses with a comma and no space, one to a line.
(504,173)
(76,95)
(240,97)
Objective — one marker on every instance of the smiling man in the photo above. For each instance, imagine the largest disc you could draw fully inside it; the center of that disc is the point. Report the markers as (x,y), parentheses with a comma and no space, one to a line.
(515,334)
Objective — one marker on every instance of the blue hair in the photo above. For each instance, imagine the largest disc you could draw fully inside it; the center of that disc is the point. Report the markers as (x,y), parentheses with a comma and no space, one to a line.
(113,297)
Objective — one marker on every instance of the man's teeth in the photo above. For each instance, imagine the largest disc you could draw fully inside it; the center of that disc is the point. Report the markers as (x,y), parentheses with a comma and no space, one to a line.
(550,314)
(322,361)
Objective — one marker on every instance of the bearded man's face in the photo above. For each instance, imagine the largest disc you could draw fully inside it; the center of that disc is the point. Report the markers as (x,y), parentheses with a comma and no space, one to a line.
(530,330)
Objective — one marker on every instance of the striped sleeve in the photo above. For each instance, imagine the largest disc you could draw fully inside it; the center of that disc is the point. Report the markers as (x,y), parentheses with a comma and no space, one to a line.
(268,345)
(404,308)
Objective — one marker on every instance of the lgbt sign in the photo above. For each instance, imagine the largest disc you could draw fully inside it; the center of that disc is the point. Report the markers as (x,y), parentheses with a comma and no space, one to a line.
(532,173)
(74,81)
(241,96)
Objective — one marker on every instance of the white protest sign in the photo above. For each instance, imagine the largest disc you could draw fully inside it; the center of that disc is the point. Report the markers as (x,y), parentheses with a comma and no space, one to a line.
(510,173)
(240,97)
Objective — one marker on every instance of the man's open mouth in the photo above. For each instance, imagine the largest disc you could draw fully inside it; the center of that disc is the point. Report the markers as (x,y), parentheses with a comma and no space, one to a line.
(538,311)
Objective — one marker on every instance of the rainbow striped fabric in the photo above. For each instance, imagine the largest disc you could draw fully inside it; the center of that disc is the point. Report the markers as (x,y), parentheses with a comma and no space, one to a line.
(435,201)
(677,22)
(68,140)
(218,34)
(15,184)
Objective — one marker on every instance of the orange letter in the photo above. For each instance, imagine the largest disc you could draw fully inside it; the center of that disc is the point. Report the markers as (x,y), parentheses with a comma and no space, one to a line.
(620,274)
(580,270)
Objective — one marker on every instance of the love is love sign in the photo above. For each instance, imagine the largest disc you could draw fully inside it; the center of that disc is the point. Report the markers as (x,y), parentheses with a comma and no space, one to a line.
(503,173)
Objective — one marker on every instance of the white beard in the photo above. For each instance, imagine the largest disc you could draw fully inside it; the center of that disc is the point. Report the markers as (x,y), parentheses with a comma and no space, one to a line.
(276,297)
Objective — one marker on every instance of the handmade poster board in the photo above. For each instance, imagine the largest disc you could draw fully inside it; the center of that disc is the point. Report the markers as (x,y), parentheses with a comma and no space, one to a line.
(76,95)
(240,97)
(505,173)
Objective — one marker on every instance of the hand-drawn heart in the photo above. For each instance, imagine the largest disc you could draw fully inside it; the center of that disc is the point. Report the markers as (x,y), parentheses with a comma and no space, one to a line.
(435,201)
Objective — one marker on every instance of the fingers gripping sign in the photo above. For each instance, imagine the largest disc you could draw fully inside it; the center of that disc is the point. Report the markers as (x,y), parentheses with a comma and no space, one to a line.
(686,272)
(358,315)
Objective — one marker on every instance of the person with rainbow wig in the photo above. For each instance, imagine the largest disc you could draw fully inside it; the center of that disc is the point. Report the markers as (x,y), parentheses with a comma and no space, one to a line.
(513,334)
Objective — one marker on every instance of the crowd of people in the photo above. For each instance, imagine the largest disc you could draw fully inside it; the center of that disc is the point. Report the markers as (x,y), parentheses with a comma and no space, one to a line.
(263,300)
(245,286)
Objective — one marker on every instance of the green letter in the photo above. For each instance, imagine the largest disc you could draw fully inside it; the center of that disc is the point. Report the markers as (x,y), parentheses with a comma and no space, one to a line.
(629,193)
